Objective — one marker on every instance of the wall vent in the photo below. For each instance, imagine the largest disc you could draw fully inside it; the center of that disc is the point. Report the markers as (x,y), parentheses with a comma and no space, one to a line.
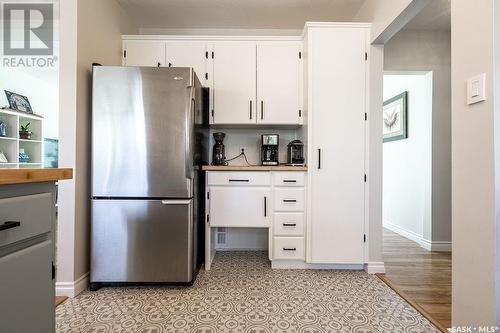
(221,236)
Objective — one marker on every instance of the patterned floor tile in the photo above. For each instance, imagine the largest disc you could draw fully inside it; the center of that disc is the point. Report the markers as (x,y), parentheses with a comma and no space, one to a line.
(243,294)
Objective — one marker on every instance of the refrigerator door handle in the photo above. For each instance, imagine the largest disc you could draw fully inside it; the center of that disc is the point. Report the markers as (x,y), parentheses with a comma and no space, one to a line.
(189,140)
(176,202)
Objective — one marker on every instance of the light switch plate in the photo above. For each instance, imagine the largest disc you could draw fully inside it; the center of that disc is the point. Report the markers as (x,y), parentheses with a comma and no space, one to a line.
(476,89)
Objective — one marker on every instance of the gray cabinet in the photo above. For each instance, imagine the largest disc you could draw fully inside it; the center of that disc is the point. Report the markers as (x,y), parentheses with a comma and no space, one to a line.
(27,215)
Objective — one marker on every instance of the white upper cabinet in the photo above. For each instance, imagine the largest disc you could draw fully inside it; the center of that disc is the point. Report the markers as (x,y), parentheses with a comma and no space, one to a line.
(234,83)
(251,82)
(278,82)
(188,54)
(148,53)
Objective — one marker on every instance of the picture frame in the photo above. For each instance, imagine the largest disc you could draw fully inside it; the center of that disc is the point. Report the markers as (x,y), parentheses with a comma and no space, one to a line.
(18,102)
(395,118)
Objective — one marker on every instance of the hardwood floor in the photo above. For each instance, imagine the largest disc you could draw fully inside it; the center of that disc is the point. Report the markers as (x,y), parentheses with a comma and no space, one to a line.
(422,277)
(60,299)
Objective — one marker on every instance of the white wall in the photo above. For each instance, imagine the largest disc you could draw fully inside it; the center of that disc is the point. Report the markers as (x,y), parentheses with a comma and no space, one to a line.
(388,16)
(90,32)
(431,51)
(41,86)
(473,161)
(407,162)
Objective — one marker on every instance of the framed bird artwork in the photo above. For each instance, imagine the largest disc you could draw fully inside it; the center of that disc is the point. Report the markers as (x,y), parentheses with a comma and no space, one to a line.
(395,118)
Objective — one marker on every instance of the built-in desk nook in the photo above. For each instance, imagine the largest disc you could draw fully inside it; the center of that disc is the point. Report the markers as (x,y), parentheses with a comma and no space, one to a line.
(268,197)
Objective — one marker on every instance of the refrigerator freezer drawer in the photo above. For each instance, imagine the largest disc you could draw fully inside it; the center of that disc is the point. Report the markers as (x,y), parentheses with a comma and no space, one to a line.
(142,241)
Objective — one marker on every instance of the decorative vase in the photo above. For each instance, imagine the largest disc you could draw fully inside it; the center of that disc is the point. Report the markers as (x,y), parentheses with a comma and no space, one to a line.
(25,135)
(23,157)
(3,128)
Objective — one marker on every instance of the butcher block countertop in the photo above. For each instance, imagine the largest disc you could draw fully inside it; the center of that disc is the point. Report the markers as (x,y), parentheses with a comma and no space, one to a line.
(23,176)
(253,168)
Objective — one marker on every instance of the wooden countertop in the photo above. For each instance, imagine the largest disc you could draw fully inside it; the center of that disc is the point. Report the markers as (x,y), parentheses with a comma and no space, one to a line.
(23,176)
(253,168)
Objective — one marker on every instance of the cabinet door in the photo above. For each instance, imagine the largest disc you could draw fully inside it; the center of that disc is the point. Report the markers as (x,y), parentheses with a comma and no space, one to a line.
(248,207)
(278,82)
(234,83)
(147,53)
(27,290)
(188,54)
(337,157)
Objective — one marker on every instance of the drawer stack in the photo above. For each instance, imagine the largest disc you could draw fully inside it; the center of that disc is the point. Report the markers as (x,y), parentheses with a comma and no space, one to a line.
(289,216)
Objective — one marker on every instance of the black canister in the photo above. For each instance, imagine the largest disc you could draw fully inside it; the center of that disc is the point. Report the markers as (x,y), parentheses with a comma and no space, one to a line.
(218,153)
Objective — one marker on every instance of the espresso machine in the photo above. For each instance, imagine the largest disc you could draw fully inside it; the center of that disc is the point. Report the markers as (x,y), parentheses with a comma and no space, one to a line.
(270,149)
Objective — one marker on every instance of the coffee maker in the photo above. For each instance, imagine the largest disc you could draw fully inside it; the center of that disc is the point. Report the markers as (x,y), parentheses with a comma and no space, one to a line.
(295,153)
(270,149)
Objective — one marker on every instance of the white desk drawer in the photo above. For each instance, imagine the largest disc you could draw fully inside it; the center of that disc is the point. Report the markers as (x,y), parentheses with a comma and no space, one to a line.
(288,248)
(289,179)
(289,224)
(289,199)
(238,178)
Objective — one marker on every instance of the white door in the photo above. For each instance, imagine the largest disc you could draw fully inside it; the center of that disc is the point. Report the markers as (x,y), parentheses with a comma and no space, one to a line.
(338,145)
(248,207)
(278,82)
(149,53)
(234,83)
(188,54)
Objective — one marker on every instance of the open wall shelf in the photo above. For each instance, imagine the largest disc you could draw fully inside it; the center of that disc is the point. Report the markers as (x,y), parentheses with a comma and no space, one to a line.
(11,144)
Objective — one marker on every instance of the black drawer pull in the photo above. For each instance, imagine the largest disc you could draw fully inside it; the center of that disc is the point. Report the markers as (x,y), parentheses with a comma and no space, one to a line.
(289,181)
(289,200)
(289,249)
(289,224)
(10,225)
(239,180)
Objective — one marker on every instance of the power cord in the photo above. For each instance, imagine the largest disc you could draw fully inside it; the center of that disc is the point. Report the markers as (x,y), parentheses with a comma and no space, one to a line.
(238,156)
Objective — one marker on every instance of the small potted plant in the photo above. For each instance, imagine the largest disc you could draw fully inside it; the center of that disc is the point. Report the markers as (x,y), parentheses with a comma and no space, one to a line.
(24,132)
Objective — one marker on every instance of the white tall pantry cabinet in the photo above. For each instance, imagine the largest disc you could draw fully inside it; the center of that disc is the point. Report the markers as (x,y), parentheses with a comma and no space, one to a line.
(336,65)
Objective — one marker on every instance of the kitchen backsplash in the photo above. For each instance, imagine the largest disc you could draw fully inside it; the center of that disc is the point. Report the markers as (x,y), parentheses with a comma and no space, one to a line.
(250,139)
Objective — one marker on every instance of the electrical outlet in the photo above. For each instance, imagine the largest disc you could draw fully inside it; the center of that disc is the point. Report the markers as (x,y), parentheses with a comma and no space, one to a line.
(243,150)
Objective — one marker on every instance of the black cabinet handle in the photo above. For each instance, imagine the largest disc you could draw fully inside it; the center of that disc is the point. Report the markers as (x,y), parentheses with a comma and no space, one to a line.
(262,110)
(265,206)
(169,64)
(289,181)
(289,224)
(159,64)
(239,180)
(319,158)
(10,225)
(250,110)
(289,200)
(289,249)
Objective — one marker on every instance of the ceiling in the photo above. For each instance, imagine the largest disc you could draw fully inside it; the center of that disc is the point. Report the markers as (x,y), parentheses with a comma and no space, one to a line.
(435,16)
(237,14)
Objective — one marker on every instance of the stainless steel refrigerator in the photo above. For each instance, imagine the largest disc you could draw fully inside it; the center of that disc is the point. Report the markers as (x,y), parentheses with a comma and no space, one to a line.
(149,136)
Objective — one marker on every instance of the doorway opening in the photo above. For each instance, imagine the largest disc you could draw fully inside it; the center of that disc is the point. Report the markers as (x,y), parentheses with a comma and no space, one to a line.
(417,163)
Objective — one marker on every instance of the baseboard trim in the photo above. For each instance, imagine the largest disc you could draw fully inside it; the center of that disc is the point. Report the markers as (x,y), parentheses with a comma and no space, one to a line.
(300,264)
(436,246)
(375,267)
(72,289)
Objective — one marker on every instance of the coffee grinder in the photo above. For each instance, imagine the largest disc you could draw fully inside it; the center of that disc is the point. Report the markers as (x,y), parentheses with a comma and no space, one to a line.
(270,149)
(218,151)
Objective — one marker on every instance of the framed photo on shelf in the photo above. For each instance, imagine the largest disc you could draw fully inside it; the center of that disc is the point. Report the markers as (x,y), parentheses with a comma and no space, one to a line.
(18,102)
(395,118)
